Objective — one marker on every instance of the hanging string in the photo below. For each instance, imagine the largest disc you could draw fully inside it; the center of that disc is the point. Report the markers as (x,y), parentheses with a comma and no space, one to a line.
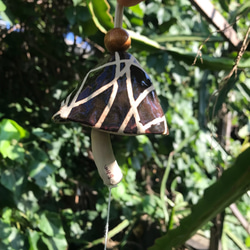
(107,223)
(118,16)
(117,24)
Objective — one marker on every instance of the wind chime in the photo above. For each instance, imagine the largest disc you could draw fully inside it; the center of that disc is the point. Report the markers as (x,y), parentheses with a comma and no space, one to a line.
(116,97)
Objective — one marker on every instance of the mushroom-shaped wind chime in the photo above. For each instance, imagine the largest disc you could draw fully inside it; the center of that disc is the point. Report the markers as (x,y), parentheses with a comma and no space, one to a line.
(116,97)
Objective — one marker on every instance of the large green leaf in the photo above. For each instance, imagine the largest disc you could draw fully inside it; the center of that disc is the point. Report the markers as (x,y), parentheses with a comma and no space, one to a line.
(12,179)
(230,187)
(222,95)
(50,224)
(34,236)
(7,197)
(99,10)
(144,43)
(190,38)
(243,9)
(9,130)
(205,61)
(39,171)
(10,134)
(2,6)
(55,243)
(11,238)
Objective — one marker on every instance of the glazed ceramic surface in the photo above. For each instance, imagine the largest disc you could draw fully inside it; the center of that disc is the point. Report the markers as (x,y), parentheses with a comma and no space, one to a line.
(118,97)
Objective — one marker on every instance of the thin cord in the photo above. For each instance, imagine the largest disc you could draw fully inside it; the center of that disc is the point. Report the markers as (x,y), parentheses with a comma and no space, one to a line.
(107,223)
(117,24)
(118,16)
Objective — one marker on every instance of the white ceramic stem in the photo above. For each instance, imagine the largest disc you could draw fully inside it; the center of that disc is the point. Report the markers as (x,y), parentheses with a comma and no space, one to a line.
(104,158)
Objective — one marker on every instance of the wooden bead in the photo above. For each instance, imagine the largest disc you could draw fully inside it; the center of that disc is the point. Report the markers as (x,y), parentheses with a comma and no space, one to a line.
(117,39)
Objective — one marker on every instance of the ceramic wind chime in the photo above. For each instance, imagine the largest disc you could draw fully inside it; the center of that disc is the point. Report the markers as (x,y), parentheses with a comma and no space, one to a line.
(116,97)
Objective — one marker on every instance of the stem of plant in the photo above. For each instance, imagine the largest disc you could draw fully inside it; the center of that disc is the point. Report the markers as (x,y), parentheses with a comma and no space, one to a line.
(166,174)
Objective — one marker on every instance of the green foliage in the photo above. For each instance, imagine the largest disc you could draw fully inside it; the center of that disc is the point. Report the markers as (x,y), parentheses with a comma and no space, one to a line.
(232,185)
(10,135)
(51,194)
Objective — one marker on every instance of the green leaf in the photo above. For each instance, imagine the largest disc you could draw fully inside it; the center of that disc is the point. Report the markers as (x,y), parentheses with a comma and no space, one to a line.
(119,191)
(244,90)
(99,10)
(119,228)
(7,198)
(33,237)
(148,204)
(137,11)
(205,62)
(243,9)
(70,13)
(55,243)
(42,135)
(9,130)
(231,186)
(16,240)
(225,4)
(78,2)
(11,178)
(2,6)
(50,224)
(248,241)
(40,171)
(5,230)
(144,43)
(222,95)
(77,14)
(6,215)
(10,135)
(28,203)
(234,238)
(188,38)
(13,152)
(83,14)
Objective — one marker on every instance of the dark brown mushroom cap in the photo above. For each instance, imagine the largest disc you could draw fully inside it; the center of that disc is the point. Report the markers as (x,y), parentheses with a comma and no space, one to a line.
(117,97)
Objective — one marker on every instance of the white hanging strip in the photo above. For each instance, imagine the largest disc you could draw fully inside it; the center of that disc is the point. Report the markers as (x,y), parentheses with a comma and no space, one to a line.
(118,16)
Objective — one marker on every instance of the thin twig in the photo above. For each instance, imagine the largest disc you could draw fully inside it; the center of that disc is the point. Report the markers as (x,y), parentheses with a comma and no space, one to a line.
(240,217)
(240,54)
(234,69)
(199,53)
(167,171)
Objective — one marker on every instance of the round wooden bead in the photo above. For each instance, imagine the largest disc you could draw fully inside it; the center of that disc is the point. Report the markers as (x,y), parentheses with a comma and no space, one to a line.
(117,39)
